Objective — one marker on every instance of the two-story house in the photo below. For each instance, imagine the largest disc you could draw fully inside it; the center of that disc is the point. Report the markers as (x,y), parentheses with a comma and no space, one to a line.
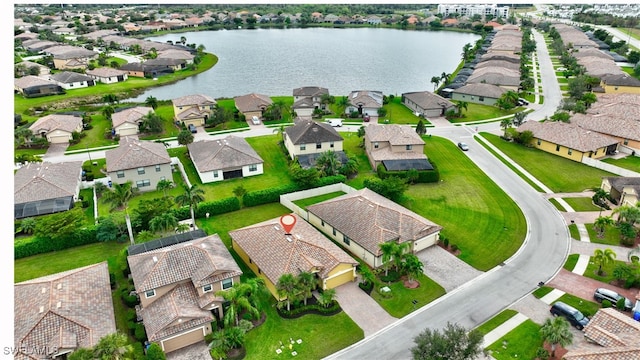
(144,163)
(177,287)
(396,147)
(307,99)
(193,109)
(307,140)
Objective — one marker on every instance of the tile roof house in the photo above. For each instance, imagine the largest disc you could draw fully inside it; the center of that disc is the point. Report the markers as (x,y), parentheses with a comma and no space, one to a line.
(177,55)
(177,285)
(620,83)
(57,128)
(60,313)
(307,99)
(46,188)
(306,140)
(252,104)
(193,109)
(505,78)
(365,102)
(478,93)
(623,129)
(270,253)
(107,75)
(396,147)
(127,121)
(372,220)
(569,140)
(617,334)
(170,63)
(32,86)
(70,80)
(222,159)
(144,163)
(427,103)
(624,190)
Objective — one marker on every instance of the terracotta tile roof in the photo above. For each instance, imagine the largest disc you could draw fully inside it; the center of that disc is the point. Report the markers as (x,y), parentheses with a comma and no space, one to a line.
(30,80)
(305,102)
(194,100)
(231,152)
(164,62)
(132,154)
(608,124)
(604,354)
(198,261)
(394,134)
(311,132)
(428,100)
(373,219)
(69,52)
(66,310)
(568,135)
(43,181)
(175,54)
(252,102)
(132,115)
(591,52)
(500,56)
(310,91)
(366,98)
(49,123)
(105,72)
(481,89)
(276,253)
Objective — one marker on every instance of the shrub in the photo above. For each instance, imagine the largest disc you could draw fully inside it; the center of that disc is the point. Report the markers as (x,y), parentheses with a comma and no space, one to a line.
(131,315)
(245,325)
(267,196)
(41,245)
(392,276)
(606,303)
(139,333)
(424,176)
(129,300)
(620,304)
(329,180)
(221,206)
(454,247)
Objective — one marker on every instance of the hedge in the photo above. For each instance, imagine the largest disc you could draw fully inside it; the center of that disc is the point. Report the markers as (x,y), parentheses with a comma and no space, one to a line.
(217,207)
(424,176)
(310,309)
(266,196)
(44,245)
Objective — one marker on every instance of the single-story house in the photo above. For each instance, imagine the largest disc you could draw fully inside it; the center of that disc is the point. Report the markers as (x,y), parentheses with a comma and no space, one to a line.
(307,140)
(72,80)
(307,99)
(173,64)
(272,252)
(487,94)
(569,140)
(427,103)
(619,125)
(144,163)
(32,86)
(505,78)
(396,147)
(135,69)
(177,286)
(27,67)
(365,102)
(222,159)
(624,190)
(252,104)
(362,220)
(193,109)
(620,83)
(107,75)
(57,128)
(46,188)
(127,121)
(175,54)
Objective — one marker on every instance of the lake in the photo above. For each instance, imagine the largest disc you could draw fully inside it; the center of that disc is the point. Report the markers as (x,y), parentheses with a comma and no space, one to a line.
(275,61)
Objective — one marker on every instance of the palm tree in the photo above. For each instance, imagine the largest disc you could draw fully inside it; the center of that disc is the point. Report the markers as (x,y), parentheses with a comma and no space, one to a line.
(627,213)
(343,103)
(238,301)
(518,118)
(328,163)
(326,297)
(556,331)
(112,347)
(435,80)
(23,136)
(286,288)
(119,198)
(387,249)
(445,77)
(460,106)
(505,124)
(412,266)
(191,196)
(306,284)
(603,258)
(601,223)
(350,168)
(280,131)
(151,101)
(164,185)
(107,111)
(163,223)
(399,251)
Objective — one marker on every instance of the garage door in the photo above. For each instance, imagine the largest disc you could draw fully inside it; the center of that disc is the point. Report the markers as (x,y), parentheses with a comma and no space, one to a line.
(183,340)
(59,139)
(128,131)
(339,280)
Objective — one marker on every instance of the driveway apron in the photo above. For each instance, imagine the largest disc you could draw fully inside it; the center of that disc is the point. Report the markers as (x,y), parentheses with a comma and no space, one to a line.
(362,309)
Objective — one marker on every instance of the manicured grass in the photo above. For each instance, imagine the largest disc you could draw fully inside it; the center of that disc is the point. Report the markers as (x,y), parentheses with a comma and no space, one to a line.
(521,342)
(29,151)
(397,113)
(95,137)
(542,291)
(95,169)
(607,270)
(581,204)
(611,235)
(87,194)
(183,155)
(496,321)
(587,308)
(477,112)
(557,173)
(399,302)
(165,111)
(629,162)
(574,232)
(557,204)
(352,148)
(303,203)
(467,196)
(570,264)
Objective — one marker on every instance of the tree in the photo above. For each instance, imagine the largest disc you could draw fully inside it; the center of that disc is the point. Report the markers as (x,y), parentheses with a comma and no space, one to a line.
(445,77)
(185,137)
(107,111)
(286,288)
(556,331)
(152,102)
(505,124)
(237,296)
(147,209)
(599,196)
(328,163)
(627,213)
(164,185)
(191,196)
(327,297)
(454,343)
(601,223)
(59,226)
(306,283)
(81,354)
(239,191)
(392,188)
(435,80)
(350,168)
(460,106)
(304,177)
(603,258)
(518,118)
(589,98)
(28,225)
(109,98)
(23,136)
(119,197)
(388,249)
(113,347)
(412,266)
(164,223)
(107,229)
(154,352)
(151,122)
(421,129)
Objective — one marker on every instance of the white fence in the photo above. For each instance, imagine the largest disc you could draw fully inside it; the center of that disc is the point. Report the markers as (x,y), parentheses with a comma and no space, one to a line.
(608,167)
(288,199)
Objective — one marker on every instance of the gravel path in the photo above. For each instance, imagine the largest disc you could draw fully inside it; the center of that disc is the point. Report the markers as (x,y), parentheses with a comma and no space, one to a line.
(446,269)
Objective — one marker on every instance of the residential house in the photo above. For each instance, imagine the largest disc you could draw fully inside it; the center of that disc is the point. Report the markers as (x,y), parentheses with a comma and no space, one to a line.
(396,147)
(70,80)
(427,103)
(505,78)
(569,140)
(252,104)
(179,55)
(307,140)
(169,63)
(37,45)
(364,102)
(57,128)
(271,252)
(222,159)
(307,99)
(618,126)
(620,83)
(616,334)
(107,75)
(27,68)
(193,109)
(127,121)
(487,94)
(624,190)
(46,188)
(177,287)
(70,57)
(144,163)
(32,86)
(57,314)
(372,220)
(135,69)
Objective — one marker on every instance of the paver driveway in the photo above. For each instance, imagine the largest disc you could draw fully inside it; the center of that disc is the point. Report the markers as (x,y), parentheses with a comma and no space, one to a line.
(362,309)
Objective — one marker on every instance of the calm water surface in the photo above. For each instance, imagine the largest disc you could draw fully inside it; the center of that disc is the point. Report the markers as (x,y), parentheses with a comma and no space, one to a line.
(275,61)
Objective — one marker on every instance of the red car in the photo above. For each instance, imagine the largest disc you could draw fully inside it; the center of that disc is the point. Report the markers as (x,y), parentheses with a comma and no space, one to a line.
(366,118)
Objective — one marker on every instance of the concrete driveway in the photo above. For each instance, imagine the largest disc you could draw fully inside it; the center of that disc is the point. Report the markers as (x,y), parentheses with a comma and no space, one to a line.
(197,351)
(55,150)
(362,309)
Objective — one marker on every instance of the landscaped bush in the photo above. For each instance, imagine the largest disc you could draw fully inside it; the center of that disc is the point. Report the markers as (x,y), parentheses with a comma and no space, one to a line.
(129,300)
(620,304)
(39,245)
(425,176)
(391,277)
(330,180)
(139,332)
(606,303)
(267,196)
(297,312)
(217,207)
(366,287)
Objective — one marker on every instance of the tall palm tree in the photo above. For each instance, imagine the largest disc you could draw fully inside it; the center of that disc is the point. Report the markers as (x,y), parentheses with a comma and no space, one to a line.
(505,124)
(286,288)
(238,302)
(107,111)
(627,213)
(556,332)
(412,266)
(399,252)
(327,297)
(164,223)
(306,284)
(151,101)
(164,185)
(603,258)
(435,80)
(601,223)
(460,106)
(328,163)
(119,197)
(387,249)
(343,103)
(191,196)
(112,347)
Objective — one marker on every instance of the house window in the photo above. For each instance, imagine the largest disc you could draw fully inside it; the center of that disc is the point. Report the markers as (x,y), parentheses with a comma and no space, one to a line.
(157,168)
(481,98)
(626,141)
(303,147)
(150,293)
(143,183)
(331,144)
(207,288)
(140,171)
(334,232)
(539,141)
(318,145)
(215,173)
(346,240)
(253,167)
(409,147)
(569,152)
(227,283)
(120,174)
(557,147)
(322,222)
(376,145)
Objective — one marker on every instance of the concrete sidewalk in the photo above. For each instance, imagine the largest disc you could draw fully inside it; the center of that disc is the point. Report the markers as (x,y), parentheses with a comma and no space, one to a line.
(495,334)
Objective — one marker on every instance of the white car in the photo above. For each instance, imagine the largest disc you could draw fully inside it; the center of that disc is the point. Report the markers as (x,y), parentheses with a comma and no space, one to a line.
(255,120)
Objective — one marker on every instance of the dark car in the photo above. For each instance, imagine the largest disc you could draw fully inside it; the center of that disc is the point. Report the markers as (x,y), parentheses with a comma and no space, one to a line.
(192,128)
(606,294)
(463,146)
(573,315)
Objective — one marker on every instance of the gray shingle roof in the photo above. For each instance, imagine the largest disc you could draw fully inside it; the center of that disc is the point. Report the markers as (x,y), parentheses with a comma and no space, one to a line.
(428,100)
(311,132)
(372,219)
(43,181)
(608,124)
(68,77)
(229,153)
(366,98)
(49,123)
(480,89)
(131,115)
(620,80)
(394,134)
(252,102)
(132,154)
(495,76)
(568,135)
(310,91)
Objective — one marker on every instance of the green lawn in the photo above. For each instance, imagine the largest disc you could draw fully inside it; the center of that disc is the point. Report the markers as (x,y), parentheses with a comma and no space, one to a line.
(571,262)
(573,230)
(399,302)
(95,137)
(351,146)
(513,168)
(557,204)
(303,203)
(29,151)
(521,342)
(467,196)
(476,112)
(611,235)
(165,111)
(587,308)
(607,270)
(629,162)
(496,321)
(557,173)
(397,113)
(87,194)
(581,204)
(95,169)
(542,291)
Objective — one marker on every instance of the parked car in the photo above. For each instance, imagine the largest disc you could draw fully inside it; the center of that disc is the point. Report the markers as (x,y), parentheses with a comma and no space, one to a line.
(255,120)
(334,122)
(573,315)
(522,102)
(606,294)
(366,118)
(636,310)
(463,146)
(192,128)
